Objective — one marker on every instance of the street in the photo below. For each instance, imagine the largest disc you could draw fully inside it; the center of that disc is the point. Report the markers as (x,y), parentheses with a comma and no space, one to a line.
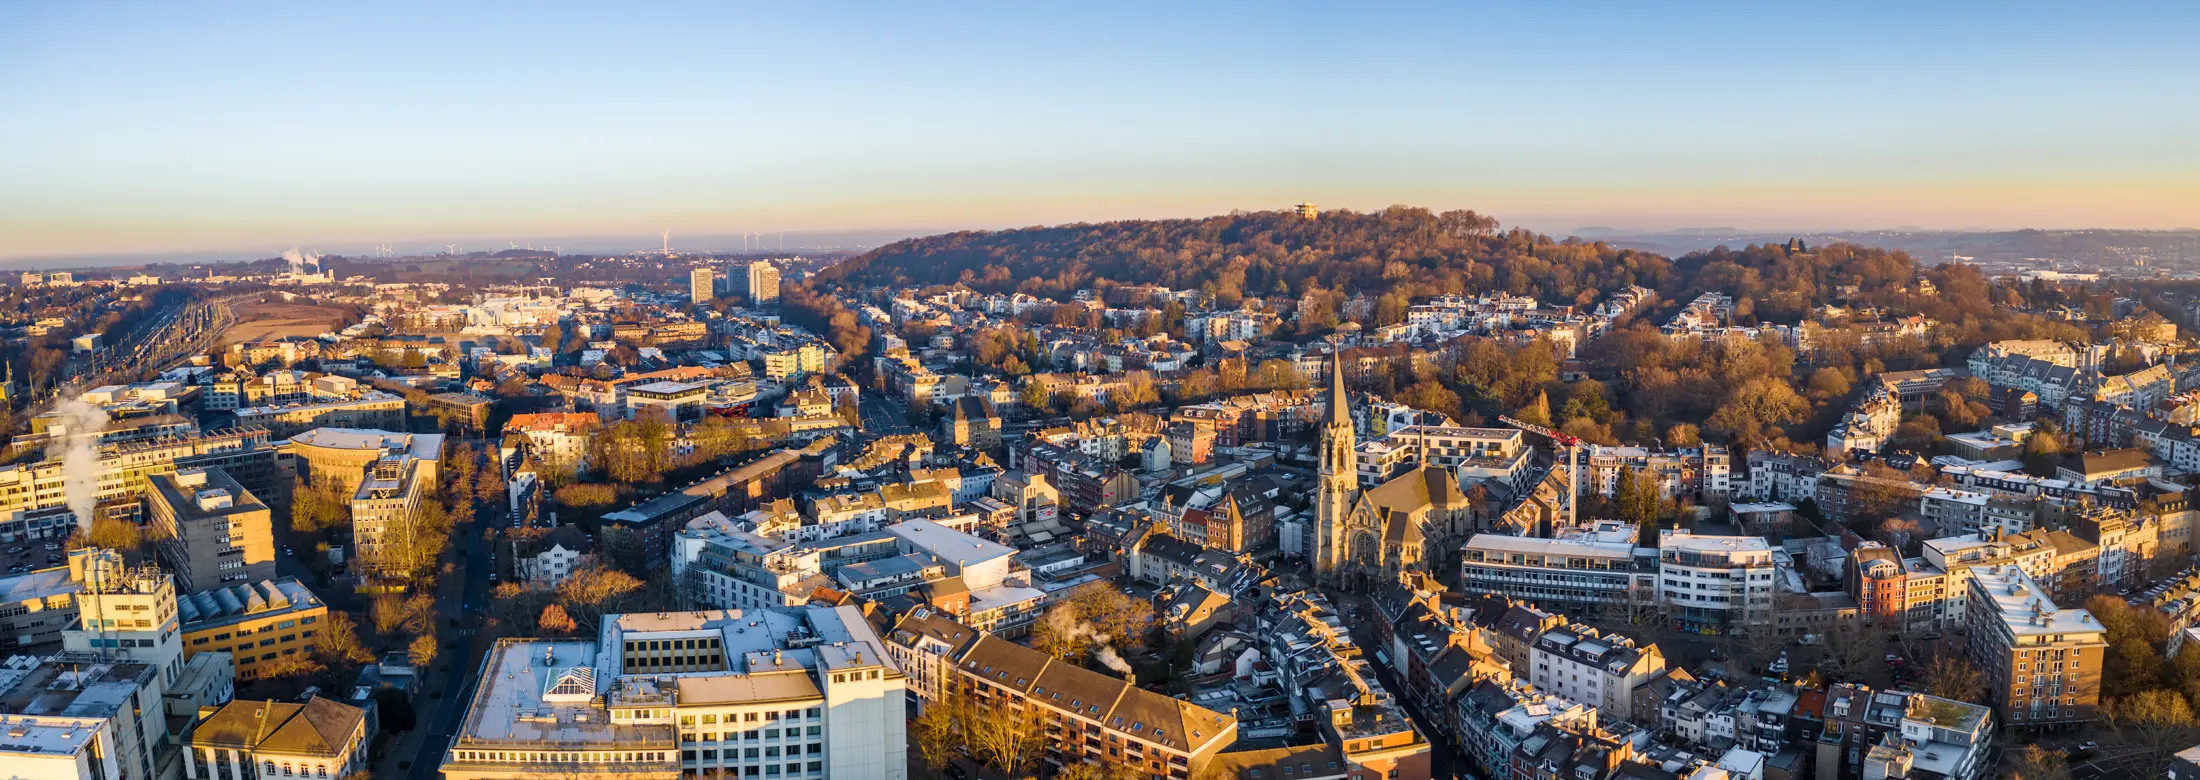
(882,418)
(1445,758)
(439,718)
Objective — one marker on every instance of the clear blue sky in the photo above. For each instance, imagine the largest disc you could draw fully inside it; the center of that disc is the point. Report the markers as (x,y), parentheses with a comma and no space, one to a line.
(168,127)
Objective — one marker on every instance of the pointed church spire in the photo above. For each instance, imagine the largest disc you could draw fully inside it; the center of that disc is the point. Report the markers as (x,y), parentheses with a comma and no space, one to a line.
(1338,411)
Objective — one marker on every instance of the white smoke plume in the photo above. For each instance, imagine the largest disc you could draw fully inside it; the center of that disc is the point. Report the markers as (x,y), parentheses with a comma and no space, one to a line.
(302,262)
(76,445)
(1107,655)
(1100,647)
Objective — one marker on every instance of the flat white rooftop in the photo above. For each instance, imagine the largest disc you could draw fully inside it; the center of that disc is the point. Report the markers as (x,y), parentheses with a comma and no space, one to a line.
(36,736)
(511,708)
(948,543)
(40,584)
(1669,539)
(1533,545)
(2026,609)
(419,445)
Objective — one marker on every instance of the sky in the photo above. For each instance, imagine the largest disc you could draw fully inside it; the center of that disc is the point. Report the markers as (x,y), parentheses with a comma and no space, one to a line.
(184,127)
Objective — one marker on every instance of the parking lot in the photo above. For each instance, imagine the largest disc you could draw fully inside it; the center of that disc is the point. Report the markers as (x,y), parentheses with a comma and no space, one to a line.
(32,554)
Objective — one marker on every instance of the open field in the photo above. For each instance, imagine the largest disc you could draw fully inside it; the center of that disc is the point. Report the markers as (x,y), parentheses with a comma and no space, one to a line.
(261,321)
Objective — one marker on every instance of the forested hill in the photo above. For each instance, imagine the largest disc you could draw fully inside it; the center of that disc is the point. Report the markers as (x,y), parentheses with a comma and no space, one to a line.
(1408,251)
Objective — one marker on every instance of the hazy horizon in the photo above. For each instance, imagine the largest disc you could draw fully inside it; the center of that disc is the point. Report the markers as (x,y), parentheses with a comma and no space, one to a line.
(848,241)
(157,130)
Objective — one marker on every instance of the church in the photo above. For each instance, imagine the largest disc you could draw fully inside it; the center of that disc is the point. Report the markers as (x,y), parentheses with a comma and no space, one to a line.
(1362,539)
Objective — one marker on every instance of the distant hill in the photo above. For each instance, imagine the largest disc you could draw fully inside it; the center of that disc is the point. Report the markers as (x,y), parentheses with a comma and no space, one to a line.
(1998,250)
(1411,252)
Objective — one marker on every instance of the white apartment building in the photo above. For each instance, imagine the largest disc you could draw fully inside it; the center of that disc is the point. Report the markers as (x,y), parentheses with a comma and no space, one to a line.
(1473,454)
(1578,571)
(1577,663)
(1695,473)
(802,694)
(1778,476)
(2033,552)
(1718,583)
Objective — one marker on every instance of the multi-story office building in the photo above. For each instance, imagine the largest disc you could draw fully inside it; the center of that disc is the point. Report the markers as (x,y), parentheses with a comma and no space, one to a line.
(666,402)
(366,409)
(264,624)
(34,495)
(786,694)
(1715,582)
(702,285)
(341,456)
(2042,663)
(215,531)
(126,612)
(383,514)
(1579,571)
(321,738)
(35,607)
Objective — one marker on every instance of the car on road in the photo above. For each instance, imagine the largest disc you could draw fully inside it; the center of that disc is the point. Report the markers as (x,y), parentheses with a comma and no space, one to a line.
(2083,750)
(286,550)
(17,549)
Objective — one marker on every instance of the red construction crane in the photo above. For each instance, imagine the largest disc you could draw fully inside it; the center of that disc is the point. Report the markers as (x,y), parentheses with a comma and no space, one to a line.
(1573,450)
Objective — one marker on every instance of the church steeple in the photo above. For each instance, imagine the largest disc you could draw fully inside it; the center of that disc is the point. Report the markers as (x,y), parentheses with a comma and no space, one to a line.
(1338,411)
(1339,479)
